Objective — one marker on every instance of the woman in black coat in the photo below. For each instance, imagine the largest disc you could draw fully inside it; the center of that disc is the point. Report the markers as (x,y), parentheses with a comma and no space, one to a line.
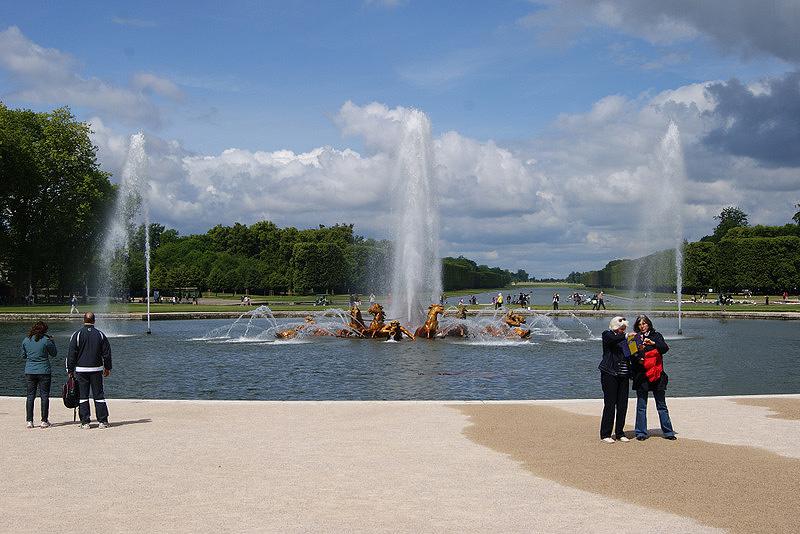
(614,378)
(649,375)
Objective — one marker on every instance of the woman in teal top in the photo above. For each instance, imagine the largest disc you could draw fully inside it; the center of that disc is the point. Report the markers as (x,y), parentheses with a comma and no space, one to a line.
(37,349)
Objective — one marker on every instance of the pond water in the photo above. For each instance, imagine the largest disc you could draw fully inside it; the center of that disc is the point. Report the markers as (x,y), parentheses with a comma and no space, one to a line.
(714,357)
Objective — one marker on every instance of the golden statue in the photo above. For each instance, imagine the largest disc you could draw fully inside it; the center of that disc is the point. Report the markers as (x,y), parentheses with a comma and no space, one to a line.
(356,324)
(515,321)
(428,330)
(462,312)
(394,330)
(291,333)
(377,319)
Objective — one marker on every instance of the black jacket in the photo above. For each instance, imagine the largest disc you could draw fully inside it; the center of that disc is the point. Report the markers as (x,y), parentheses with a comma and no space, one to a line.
(640,382)
(614,361)
(89,351)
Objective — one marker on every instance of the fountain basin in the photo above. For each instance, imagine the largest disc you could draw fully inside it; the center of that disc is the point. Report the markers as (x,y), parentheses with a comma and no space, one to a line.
(714,357)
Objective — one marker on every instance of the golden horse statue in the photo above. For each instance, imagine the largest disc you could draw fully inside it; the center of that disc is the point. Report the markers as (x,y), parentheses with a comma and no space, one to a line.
(356,325)
(291,333)
(515,321)
(428,330)
(457,329)
(394,330)
(376,310)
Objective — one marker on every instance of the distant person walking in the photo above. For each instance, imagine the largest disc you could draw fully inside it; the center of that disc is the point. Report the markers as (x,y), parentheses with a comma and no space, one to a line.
(556,298)
(37,349)
(499,300)
(785,296)
(649,375)
(73,303)
(614,373)
(600,300)
(89,360)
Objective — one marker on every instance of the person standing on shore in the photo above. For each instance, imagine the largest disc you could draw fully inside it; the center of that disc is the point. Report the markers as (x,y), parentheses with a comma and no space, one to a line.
(649,375)
(600,300)
(37,349)
(556,298)
(614,373)
(73,303)
(89,360)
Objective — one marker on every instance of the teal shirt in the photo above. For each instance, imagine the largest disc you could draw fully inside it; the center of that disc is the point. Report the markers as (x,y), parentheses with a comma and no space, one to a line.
(37,355)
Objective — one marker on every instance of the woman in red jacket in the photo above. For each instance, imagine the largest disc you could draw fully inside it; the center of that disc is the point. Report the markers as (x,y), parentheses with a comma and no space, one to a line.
(649,375)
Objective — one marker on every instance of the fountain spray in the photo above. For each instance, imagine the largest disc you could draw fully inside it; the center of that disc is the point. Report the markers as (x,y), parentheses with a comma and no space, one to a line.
(674,175)
(417,273)
(132,198)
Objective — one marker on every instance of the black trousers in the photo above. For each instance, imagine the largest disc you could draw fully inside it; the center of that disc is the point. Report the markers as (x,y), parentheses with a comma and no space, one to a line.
(93,381)
(42,383)
(615,399)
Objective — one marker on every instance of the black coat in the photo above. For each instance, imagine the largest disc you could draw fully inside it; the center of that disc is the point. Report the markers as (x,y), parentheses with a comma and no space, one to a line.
(613,358)
(640,382)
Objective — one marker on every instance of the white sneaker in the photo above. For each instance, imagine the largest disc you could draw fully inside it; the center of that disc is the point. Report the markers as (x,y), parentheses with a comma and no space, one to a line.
(29,424)
(607,440)
(103,425)
(45,424)
(85,426)
(623,439)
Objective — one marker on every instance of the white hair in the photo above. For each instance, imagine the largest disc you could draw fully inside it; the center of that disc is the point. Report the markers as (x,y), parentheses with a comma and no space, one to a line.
(617,323)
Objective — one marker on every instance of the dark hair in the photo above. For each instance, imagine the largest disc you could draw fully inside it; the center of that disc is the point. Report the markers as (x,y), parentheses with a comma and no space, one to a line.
(38,330)
(642,319)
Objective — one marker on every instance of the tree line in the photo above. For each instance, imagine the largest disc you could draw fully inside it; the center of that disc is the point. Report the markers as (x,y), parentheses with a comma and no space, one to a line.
(265,259)
(737,256)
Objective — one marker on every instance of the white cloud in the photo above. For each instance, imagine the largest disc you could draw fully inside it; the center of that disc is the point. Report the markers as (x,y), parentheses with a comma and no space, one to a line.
(145,81)
(48,76)
(742,27)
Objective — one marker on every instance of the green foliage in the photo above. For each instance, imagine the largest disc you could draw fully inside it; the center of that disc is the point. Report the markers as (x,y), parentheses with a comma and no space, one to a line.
(759,263)
(461,273)
(319,268)
(729,218)
(53,197)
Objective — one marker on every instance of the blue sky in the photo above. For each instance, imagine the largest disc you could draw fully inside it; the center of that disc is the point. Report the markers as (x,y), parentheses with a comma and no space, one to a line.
(520,82)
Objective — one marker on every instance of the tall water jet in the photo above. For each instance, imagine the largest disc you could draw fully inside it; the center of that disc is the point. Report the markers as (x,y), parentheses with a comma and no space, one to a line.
(417,271)
(131,206)
(673,171)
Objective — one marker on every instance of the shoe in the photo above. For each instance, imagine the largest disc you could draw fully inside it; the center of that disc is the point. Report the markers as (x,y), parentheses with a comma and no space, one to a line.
(103,425)
(641,438)
(671,438)
(607,440)
(85,426)
(623,439)
(45,424)
(29,424)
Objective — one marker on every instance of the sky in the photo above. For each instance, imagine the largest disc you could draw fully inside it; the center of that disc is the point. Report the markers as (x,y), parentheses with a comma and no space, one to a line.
(548,117)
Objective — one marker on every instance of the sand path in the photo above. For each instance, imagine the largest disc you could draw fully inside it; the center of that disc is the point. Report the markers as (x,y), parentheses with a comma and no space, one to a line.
(180,466)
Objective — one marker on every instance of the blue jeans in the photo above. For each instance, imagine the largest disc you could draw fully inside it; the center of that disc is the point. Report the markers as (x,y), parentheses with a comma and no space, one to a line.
(42,383)
(663,413)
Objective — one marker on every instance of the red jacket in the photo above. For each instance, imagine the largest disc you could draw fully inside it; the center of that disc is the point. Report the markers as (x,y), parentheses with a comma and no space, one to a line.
(653,365)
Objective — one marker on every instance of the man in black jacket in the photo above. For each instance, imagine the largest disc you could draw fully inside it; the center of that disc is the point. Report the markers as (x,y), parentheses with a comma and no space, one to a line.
(89,360)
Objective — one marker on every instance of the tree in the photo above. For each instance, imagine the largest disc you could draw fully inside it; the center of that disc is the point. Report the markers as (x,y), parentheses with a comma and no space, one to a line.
(53,197)
(730,217)
(796,216)
(521,275)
